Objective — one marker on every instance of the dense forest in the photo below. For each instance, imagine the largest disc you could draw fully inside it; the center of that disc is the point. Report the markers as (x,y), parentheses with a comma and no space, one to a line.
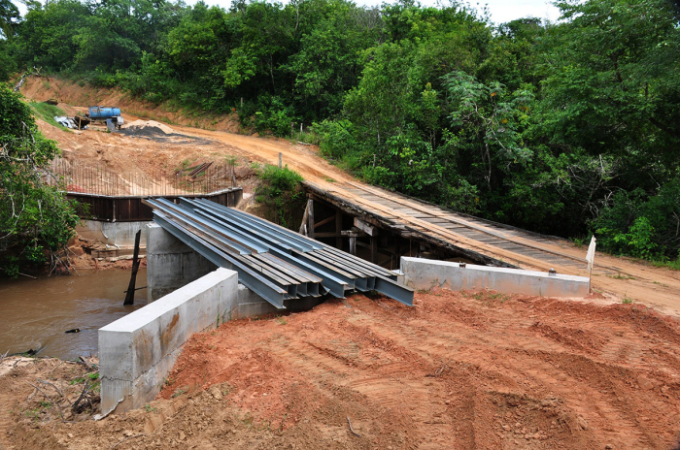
(569,128)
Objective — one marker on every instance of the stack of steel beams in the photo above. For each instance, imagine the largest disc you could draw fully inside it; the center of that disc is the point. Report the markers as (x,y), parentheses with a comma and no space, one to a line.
(274,262)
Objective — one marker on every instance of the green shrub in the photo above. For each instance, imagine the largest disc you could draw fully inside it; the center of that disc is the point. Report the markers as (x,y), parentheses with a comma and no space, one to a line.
(641,225)
(337,139)
(281,192)
(271,115)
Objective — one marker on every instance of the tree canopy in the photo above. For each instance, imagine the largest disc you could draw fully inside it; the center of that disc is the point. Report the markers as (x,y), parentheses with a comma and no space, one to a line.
(568,128)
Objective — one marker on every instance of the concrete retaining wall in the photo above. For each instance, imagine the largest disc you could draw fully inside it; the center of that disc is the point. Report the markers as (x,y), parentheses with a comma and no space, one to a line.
(137,351)
(425,274)
(121,234)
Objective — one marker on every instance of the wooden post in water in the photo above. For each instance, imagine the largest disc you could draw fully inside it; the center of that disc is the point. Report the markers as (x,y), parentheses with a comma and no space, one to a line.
(130,296)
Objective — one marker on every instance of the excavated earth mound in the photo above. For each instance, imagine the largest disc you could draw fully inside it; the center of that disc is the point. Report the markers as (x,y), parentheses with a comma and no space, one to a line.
(460,370)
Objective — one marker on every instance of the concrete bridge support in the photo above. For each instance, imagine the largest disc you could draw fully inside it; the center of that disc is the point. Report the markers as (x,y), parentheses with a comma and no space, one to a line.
(172,264)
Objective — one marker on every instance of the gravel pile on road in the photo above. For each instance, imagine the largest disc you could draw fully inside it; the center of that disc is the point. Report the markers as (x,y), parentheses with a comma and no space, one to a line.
(156,131)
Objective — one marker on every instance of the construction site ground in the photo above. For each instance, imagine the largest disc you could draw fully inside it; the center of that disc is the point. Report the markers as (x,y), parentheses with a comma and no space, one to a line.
(460,370)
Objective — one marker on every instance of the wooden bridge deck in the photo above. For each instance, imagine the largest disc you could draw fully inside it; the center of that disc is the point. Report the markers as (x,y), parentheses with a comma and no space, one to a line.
(497,244)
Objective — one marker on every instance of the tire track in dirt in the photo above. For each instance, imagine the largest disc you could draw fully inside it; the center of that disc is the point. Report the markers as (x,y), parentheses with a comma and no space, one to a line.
(459,370)
(452,371)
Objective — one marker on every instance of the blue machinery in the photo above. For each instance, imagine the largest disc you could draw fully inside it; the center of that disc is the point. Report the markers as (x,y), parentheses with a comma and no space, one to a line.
(106,114)
(272,261)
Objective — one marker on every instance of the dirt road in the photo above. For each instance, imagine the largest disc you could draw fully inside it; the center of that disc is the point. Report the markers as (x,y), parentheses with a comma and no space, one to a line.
(460,370)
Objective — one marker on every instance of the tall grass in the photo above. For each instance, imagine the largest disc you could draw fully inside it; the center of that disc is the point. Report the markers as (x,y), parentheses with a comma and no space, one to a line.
(47,112)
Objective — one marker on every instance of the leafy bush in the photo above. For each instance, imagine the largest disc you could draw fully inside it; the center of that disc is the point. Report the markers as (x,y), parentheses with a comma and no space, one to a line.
(281,192)
(273,116)
(337,138)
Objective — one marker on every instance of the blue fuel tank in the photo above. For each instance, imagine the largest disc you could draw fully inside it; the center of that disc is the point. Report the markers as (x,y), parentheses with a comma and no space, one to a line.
(103,112)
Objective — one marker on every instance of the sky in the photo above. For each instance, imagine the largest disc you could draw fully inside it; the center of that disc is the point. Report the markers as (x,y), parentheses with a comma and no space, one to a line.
(501,10)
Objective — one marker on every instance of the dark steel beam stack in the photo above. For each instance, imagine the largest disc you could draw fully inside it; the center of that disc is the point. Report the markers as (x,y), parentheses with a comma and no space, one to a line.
(272,261)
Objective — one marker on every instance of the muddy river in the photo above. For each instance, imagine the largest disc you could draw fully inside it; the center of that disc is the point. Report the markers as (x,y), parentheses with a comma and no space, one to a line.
(35,314)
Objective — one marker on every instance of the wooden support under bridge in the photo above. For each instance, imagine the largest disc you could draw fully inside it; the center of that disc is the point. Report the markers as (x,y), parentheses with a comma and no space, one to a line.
(359,229)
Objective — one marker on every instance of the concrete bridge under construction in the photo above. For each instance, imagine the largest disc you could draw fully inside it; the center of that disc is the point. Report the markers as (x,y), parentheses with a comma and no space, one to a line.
(218,264)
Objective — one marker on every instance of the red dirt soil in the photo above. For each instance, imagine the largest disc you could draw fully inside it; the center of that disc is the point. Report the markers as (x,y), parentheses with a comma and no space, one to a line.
(460,370)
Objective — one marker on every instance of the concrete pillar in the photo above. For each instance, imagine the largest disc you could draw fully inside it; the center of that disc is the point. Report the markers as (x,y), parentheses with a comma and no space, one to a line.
(171,264)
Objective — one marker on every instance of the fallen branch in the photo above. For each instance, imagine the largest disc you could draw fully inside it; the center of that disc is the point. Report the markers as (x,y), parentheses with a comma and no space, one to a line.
(22,274)
(50,399)
(74,408)
(61,394)
(83,361)
(351,429)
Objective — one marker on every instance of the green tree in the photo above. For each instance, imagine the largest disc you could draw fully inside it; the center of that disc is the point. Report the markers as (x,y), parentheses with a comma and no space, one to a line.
(36,220)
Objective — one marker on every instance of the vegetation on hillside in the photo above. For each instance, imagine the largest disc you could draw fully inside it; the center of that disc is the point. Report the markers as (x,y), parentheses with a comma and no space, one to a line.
(569,128)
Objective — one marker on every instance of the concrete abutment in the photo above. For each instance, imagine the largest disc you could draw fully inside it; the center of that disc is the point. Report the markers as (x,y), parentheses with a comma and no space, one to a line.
(424,274)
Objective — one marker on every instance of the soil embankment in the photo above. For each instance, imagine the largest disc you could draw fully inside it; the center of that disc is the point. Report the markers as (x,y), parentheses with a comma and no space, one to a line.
(460,370)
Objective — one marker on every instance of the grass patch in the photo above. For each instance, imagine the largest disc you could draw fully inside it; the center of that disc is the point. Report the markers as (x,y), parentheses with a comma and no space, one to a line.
(674,265)
(619,276)
(177,393)
(47,112)
(627,301)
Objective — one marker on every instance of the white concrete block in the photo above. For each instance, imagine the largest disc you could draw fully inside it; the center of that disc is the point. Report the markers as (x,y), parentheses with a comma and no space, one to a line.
(426,274)
(161,242)
(138,350)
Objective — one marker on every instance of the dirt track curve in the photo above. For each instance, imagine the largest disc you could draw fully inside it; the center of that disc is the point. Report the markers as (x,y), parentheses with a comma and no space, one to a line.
(621,277)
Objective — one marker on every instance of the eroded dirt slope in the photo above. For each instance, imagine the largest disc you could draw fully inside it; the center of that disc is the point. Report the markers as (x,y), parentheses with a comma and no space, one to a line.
(460,370)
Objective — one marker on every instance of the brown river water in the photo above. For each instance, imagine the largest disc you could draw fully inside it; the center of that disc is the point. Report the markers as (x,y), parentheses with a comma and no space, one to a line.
(35,314)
